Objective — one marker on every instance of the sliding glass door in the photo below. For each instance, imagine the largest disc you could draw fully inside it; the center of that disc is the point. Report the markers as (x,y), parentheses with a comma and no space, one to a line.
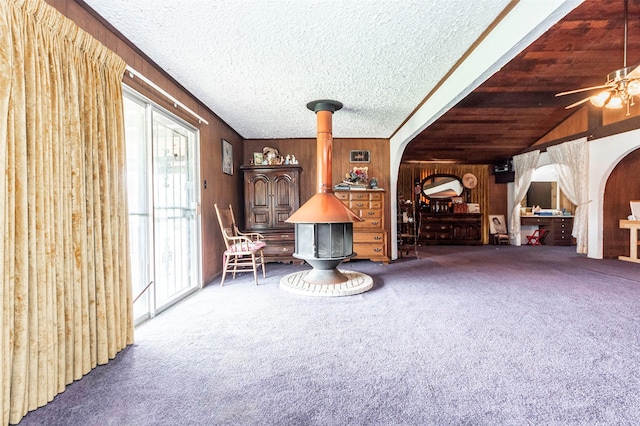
(163,206)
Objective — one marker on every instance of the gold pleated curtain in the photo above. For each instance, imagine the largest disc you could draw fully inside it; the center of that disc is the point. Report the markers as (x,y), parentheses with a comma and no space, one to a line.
(66,293)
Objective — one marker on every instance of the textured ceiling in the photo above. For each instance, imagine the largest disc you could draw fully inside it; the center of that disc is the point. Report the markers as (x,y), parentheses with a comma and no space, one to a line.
(257,63)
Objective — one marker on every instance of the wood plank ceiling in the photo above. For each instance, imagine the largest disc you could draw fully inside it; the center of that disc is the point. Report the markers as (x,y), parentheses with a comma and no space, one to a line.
(517,106)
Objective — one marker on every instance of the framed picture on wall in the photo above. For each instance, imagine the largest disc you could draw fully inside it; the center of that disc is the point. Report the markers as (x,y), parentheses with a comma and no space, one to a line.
(227,157)
(360,156)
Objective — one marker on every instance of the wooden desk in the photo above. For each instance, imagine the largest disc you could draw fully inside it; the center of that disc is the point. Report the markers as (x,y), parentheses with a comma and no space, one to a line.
(633,226)
(559,228)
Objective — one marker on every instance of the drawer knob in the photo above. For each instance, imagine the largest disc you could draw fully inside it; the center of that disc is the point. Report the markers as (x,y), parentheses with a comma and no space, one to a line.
(284,249)
(371,213)
(378,249)
(377,237)
(375,222)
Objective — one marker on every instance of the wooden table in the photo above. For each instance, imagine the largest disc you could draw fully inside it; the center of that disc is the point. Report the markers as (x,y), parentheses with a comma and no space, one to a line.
(634,227)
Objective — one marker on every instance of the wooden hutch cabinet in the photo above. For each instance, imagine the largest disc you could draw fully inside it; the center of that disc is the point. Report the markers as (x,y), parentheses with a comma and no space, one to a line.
(450,228)
(271,195)
(370,236)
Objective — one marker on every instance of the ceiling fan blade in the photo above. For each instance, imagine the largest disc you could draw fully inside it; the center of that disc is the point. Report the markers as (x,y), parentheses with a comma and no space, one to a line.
(575,104)
(603,86)
(634,73)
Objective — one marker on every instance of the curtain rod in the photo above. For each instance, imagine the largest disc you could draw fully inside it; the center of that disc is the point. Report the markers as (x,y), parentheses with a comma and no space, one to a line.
(176,102)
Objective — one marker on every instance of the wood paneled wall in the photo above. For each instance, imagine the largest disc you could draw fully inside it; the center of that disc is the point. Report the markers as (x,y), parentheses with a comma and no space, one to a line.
(221,188)
(305,152)
(622,187)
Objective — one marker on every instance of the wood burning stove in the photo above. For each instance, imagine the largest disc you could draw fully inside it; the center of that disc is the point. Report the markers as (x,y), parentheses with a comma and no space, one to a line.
(324,225)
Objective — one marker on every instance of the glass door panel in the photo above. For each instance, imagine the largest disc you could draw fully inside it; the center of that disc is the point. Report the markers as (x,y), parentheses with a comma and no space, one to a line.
(164,228)
(139,213)
(174,206)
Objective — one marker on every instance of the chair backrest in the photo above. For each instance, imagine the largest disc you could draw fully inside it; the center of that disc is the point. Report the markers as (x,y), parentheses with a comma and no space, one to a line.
(236,230)
(227,223)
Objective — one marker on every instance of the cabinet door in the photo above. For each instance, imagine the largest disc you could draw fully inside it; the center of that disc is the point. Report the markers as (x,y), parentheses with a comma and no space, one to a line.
(284,194)
(258,201)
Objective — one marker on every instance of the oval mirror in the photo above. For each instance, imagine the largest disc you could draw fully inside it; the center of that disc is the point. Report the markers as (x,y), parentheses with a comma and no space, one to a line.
(441,186)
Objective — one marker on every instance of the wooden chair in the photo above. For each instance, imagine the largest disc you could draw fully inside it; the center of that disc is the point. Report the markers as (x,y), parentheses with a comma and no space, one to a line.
(537,237)
(501,239)
(244,251)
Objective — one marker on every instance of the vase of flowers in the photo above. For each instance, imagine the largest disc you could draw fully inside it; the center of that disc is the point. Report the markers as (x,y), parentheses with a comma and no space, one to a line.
(358,176)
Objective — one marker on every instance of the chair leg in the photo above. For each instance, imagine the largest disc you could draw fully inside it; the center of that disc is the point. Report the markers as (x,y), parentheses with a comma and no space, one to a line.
(235,266)
(255,268)
(225,263)
(264,273)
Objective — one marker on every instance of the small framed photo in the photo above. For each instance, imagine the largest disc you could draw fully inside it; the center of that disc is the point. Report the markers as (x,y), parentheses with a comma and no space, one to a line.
(497,224)
(258,158)
(227,157)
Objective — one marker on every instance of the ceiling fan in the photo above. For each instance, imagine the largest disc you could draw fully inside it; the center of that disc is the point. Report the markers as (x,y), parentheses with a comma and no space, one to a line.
(621,86)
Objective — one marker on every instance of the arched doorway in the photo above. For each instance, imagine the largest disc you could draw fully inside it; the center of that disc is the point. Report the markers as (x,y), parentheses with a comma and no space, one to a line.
(622,187)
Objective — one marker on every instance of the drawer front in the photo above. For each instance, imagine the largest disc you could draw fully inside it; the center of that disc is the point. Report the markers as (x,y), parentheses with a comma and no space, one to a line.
(368,213)
(359,204)
(436,227)
(359,196)
(369,237)
(369,250)
(561,229)
(279,238)
(533,221)
(562,234)
(344,196)
(369,223)
(279,244)
(444,235)
(279,249)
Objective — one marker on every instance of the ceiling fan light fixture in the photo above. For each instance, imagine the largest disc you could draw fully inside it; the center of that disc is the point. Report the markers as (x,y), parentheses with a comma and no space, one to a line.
(601,98)
(621,87)
(615,102)
(633,89)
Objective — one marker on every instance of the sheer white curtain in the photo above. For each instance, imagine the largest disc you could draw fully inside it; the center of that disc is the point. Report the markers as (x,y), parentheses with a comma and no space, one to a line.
(571,161)
(523,165)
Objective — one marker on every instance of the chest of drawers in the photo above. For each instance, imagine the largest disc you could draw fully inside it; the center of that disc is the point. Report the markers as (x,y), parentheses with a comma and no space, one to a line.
(369,236)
